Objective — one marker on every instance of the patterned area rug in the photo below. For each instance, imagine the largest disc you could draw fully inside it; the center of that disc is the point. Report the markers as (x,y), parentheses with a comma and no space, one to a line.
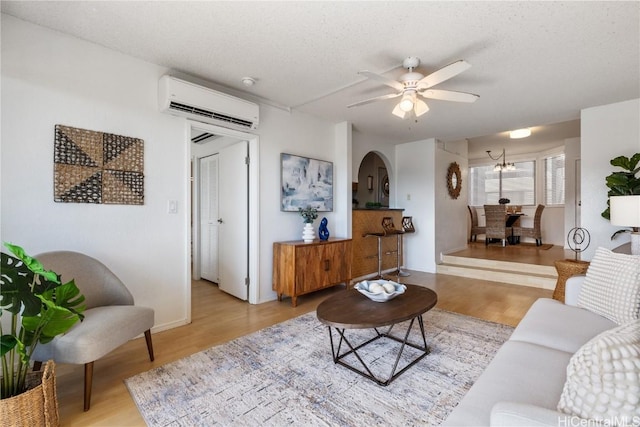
(285,374)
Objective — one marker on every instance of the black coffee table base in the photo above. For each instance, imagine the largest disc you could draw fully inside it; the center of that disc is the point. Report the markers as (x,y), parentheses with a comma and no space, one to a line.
(338,357)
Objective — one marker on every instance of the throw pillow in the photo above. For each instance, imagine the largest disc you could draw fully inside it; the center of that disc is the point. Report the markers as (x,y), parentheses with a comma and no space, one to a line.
(612,286)
(603,378)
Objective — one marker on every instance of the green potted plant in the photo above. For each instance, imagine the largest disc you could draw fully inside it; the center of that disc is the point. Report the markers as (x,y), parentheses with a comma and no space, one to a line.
(309,215)
(39,306)
(623,183)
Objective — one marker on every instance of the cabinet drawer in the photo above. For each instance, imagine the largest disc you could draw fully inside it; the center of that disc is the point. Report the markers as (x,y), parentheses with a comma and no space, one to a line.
(321,266)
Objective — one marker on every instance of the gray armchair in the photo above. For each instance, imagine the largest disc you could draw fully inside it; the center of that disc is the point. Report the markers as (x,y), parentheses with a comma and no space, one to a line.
(111,318)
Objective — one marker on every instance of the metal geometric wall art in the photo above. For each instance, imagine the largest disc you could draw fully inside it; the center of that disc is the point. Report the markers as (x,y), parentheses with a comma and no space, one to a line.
(97,167)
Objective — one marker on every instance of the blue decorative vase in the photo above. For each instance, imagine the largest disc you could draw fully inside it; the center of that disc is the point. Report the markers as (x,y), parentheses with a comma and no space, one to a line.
(323,231)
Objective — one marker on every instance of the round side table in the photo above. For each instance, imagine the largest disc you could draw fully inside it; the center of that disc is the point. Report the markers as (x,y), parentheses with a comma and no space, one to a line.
(567,268)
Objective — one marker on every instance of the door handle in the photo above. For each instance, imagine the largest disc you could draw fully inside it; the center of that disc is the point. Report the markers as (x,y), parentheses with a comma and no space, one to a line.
(326,265)
(219,220)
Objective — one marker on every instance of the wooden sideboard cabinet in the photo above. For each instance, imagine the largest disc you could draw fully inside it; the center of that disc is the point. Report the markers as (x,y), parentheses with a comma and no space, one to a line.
(300,268)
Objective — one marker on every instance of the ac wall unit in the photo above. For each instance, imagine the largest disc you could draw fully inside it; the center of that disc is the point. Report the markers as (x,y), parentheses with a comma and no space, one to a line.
(185,99)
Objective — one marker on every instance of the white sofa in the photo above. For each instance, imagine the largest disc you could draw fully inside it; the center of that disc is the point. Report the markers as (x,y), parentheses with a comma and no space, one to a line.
(523,383)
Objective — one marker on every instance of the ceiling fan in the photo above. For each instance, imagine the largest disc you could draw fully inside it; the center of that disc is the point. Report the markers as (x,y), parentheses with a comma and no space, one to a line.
(412,84)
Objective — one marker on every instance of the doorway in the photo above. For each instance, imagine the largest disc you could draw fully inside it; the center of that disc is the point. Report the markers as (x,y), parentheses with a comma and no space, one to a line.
(227,160)
(373,182)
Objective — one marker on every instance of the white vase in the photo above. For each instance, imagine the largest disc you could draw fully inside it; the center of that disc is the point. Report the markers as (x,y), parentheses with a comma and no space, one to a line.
(308,233)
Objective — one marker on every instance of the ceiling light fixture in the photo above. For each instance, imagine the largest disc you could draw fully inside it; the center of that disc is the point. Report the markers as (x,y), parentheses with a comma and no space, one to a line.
(407,102)
(520,133)
(421,107)
(410,102)
(504,166)
(248,81)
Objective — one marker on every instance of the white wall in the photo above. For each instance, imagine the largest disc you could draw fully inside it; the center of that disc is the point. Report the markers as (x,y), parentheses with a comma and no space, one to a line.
(415,164)
(342,170)
(451,215)
(607,132)
(571,159)
(49,78)
(300,134)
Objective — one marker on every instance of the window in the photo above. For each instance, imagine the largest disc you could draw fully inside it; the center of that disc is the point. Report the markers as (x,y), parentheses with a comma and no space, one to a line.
(488,186)
(554,180)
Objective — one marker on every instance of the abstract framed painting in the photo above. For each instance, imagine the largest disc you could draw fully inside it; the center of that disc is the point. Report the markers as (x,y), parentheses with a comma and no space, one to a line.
(305,182)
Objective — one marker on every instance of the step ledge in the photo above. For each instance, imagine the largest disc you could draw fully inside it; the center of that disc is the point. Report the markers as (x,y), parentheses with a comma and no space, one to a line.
(499,265)
(520,279)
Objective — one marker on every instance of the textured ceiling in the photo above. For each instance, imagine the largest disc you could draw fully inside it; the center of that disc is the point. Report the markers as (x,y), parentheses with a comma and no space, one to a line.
(533,63)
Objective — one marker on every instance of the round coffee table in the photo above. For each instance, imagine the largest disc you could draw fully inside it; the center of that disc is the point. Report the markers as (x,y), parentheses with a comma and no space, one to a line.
(352,310)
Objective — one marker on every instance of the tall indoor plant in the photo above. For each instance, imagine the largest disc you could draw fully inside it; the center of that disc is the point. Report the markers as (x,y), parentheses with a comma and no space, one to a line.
(39,306)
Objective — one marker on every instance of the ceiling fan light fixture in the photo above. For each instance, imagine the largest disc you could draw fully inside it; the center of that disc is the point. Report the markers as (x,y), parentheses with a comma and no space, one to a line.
(398,112)
(407,102)
(421,107)
(520,133)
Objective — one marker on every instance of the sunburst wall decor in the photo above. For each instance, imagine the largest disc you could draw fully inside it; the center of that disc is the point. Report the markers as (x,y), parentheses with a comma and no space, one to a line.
(97,167)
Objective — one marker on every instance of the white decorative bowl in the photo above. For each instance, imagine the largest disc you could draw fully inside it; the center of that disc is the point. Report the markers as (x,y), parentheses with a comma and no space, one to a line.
(384,296)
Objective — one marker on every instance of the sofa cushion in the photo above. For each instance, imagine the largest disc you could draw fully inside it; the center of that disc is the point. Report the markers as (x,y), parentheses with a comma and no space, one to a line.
(520,372)
(612,286)
(603,377)
(553,324)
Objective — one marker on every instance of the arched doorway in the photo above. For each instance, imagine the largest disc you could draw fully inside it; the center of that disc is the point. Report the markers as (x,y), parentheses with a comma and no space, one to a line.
(373,182)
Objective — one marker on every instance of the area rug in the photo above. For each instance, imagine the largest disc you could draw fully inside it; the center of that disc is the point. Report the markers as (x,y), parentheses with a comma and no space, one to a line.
(285,374)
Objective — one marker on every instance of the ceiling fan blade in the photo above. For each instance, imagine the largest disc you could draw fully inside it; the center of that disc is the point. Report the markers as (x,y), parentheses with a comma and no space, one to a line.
(444,73)
(449,95)
(377,98)
(386,80)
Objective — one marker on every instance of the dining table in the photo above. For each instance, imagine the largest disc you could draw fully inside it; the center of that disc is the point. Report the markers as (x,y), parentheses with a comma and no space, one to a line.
(510,219)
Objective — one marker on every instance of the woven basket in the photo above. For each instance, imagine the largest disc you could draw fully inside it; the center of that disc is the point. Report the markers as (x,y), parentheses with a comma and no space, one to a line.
(567,268)
(37,406)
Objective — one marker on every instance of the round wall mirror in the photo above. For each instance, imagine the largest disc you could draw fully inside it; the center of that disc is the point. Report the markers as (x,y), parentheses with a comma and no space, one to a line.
(454,180)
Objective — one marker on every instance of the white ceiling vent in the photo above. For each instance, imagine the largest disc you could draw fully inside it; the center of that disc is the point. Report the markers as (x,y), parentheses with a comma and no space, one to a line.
(185,99)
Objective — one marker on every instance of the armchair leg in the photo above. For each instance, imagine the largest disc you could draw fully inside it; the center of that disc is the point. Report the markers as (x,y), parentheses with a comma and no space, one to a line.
(88,381)
(147,337)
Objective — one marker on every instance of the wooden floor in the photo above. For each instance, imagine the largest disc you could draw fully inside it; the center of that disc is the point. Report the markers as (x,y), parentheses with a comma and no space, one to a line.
(218,317)
(527,253)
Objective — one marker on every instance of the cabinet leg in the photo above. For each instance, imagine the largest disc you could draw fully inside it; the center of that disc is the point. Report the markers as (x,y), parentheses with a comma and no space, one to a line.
(294,301)
(279,296)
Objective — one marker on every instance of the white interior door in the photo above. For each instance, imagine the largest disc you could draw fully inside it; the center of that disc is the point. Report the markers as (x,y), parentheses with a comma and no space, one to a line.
(233,180)
(209,226)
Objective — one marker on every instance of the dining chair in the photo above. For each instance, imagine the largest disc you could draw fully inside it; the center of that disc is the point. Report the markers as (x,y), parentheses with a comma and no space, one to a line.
(110,319)
(475,228)
(536,231)
(496,227)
